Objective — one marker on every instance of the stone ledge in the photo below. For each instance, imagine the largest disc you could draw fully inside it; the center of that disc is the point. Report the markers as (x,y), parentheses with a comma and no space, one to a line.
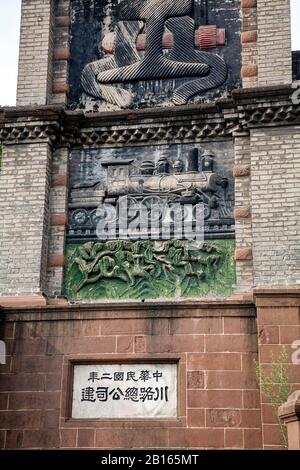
(117,310)
(22,301)
(277,296)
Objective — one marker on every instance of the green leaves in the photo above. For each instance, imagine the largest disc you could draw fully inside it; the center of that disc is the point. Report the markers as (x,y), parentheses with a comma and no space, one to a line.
(123,269)
(276,386)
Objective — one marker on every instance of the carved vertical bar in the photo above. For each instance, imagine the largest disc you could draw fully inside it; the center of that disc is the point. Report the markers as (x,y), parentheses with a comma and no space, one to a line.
(243,221)
(58,222)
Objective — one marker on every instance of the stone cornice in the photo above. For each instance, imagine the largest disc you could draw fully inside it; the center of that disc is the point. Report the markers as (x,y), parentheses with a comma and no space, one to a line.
(277,296)
(246,109)
(149,309)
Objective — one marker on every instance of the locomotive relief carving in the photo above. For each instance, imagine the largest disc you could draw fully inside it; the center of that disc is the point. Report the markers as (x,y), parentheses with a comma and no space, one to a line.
(186,176)
(152,52)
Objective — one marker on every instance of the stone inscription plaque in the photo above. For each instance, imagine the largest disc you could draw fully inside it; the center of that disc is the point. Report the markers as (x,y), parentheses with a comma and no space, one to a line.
(124,391)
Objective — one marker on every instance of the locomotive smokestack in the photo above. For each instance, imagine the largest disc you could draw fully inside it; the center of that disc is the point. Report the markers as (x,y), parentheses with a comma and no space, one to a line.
(193,161)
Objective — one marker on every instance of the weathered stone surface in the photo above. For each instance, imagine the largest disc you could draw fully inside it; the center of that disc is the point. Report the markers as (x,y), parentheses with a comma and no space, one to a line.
(97,80)
(61,53)
(56,261)
(59,180)
(24,206)
(59,219)
(62,21)
(275,175)
(241,171)
(60,87)
(274,58)
(248,3)
(249,36)
(22,301)
(249,71)
(242,212)
(243,254)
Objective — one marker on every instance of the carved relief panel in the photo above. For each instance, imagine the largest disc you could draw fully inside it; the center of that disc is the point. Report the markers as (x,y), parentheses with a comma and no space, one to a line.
(162,186)
(145,53)
(163,175)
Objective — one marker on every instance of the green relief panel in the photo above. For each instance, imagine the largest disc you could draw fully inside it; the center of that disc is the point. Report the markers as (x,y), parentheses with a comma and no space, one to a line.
(123,270)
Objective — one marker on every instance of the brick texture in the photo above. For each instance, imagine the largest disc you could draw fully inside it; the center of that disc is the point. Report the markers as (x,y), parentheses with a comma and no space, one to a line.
(274,42)
(278,329)
(61,54)
(58,221)
(24,208)
(36,52)
(218,404)
(243,226)
(249,43)
(275,193)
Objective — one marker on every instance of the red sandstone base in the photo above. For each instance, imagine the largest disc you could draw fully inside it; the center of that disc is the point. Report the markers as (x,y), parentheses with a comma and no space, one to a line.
(215,343)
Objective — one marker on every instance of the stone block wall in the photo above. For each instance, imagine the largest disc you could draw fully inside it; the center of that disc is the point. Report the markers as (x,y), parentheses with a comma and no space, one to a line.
(278,322)
(214,344)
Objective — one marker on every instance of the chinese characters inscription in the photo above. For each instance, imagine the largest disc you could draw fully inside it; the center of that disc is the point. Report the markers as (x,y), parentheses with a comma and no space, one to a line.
(125,391)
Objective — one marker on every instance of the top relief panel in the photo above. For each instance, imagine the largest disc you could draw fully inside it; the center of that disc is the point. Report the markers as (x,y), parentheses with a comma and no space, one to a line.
(130,54)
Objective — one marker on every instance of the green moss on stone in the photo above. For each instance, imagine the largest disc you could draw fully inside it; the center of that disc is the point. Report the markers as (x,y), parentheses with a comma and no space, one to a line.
(123,270)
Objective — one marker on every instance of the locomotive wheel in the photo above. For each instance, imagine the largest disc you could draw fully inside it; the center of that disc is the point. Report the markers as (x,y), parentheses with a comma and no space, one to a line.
(150,201)
(125,204)
(205,207)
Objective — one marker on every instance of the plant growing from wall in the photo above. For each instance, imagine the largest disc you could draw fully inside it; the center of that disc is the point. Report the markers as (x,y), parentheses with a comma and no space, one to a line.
(276,387)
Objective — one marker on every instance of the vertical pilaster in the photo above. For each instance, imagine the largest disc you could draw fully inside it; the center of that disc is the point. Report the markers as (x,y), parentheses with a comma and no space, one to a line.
(249,43)
(58,222)
(36,52)
(243,221)
(274,42)
(24,208)
(275,193)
